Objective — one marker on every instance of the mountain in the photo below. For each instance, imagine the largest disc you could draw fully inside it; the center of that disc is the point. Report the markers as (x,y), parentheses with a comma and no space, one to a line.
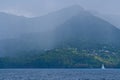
(87,31)
(70,27)
(113,19)
(51,20)
(11,26)
(30,31)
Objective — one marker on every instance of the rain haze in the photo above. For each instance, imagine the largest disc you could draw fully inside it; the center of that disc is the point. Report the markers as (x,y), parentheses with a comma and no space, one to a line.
(59,34)
(32,8)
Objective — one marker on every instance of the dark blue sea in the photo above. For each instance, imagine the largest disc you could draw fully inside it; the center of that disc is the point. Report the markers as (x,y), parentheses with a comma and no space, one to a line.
(59,74)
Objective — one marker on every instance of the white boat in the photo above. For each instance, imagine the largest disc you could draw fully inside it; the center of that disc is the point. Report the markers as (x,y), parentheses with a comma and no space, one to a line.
(103,67)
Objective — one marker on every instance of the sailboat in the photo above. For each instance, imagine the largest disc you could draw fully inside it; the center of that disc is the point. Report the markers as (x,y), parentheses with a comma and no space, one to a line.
(103,67)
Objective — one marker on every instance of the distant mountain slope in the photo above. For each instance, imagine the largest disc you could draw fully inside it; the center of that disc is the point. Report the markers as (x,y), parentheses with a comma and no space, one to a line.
(113,19)
(69,27)
(11,26)
(37,32)
(51,20)
(86,30)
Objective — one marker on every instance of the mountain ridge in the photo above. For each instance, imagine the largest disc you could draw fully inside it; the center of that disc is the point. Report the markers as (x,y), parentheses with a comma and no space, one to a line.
(77,28)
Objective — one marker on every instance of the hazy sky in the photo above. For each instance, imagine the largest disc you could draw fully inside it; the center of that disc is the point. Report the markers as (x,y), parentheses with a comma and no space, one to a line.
(41,7)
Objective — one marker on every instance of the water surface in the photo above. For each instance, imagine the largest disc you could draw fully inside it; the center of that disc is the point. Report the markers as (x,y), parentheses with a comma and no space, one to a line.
(59,74)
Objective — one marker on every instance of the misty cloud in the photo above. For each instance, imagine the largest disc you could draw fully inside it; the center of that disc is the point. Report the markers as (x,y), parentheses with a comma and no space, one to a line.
(32,8)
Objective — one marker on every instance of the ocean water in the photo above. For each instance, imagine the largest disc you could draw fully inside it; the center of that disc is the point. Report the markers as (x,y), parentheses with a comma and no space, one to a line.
(59,74)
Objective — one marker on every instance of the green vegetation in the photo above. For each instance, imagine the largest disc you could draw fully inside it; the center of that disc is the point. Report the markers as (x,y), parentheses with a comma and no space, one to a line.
(63,58)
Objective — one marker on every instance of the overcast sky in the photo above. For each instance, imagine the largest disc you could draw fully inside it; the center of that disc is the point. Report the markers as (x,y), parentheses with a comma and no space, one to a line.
(42,7)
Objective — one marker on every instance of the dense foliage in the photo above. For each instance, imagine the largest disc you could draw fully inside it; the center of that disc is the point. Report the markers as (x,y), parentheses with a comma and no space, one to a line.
(63,58)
